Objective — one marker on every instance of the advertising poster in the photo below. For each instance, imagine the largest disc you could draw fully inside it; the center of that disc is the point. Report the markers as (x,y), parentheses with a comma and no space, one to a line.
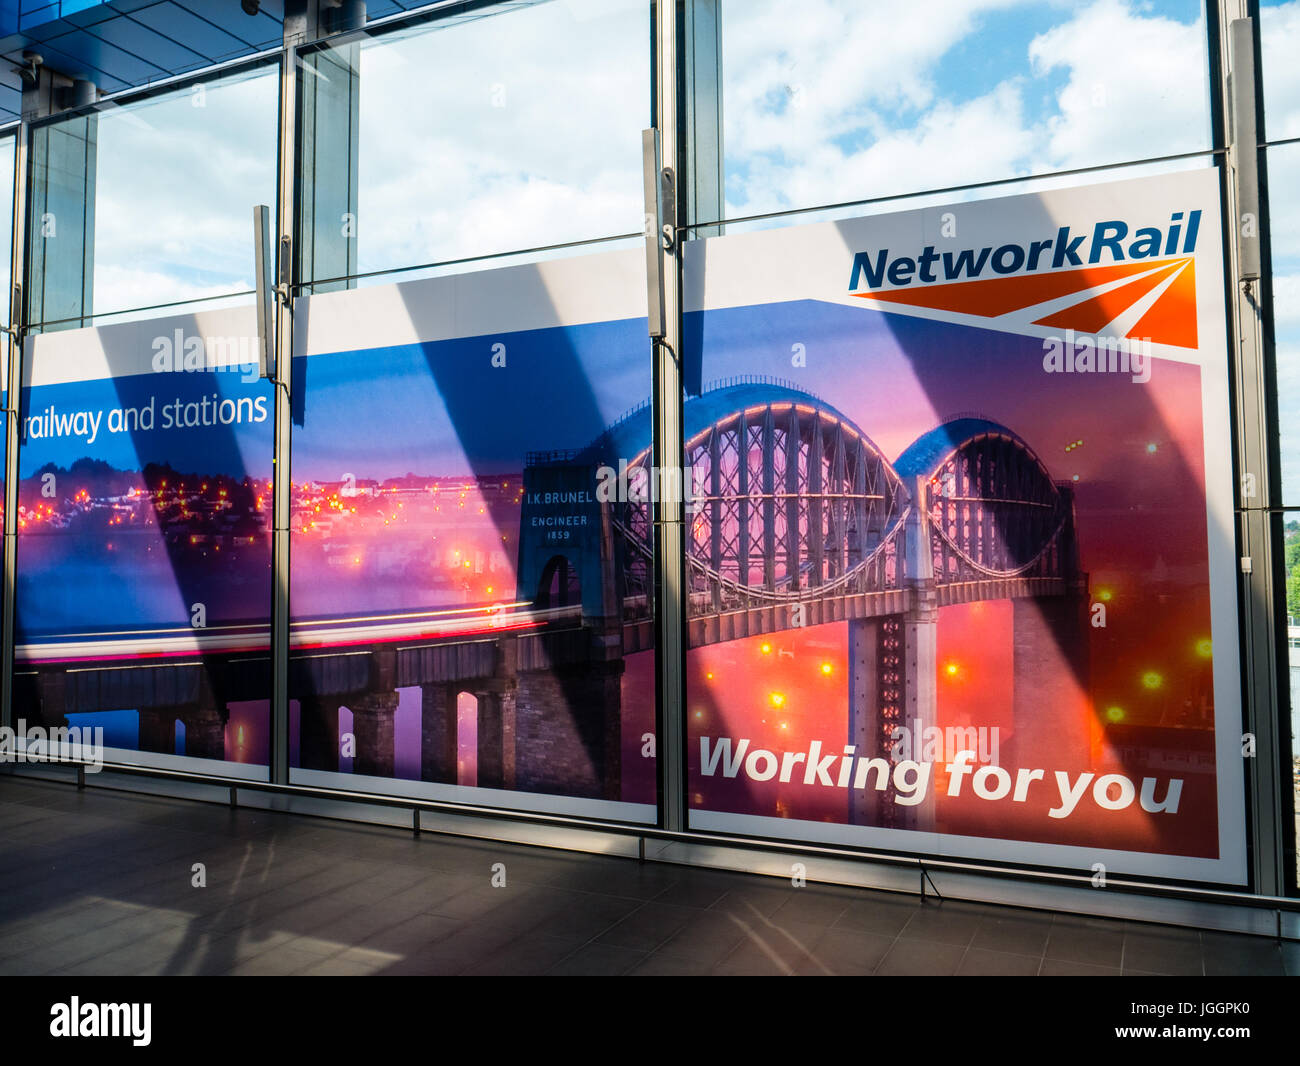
(143,582)
(471,611)
(961,562)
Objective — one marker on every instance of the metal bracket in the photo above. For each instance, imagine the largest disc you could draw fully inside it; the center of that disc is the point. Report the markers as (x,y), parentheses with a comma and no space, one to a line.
(660,226)
(667,209)
(1244,138)
(925,877)
(265,290)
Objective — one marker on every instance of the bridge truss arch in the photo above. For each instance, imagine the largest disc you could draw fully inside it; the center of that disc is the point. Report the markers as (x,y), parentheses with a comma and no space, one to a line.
(993,509)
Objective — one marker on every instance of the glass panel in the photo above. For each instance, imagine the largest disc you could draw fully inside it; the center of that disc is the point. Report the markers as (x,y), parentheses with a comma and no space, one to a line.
(151,202)
(1279,28)
(475,136)
(957,488)
(471,618)
(8,146)
(1284,235)
(841,104)
(1291,534)
(143,582)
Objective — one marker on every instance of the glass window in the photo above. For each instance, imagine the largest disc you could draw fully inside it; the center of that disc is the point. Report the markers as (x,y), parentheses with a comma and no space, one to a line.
(1291,533)
(150,202)
(471,618)
(7,145)
(840,105)
(478,136)
(1284,232)
(144,540)
(471,591)
(1279,28)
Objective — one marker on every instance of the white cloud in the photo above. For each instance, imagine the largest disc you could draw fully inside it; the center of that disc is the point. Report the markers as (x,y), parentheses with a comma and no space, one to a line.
(1148,96)
(809,120)
(175,186)
(1284,206)
(524,131)
(979,140)
(1279,45)
(1286,299)
(119,287)
(837,69)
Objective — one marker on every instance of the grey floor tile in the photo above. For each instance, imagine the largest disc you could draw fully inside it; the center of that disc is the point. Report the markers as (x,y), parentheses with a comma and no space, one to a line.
(846,952)
(661,964)
(1066,968)
(412,934)
(980,962)
(1019,935)
(527,956)
(702,891)
(708,937)
(338,966)
(916,958)
(649,926)
(598,960)
(942,923)
(750,901)
(1170,952)
(285,961)
(758,959)
(1091,946)
(884,916)
(583,915)
(814,904)
(1227,955)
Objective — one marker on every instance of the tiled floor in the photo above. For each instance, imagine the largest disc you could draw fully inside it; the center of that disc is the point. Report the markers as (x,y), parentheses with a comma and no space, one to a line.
(99,882)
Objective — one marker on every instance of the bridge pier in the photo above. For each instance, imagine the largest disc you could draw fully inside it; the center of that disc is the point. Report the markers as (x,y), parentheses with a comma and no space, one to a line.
(52,686)
(892,684)
(372,725)
(318,733)
(497,718)
(920,693)
(205,730)
(438,733)
(158,730)
(873,708)
(570,730)
(1050,688)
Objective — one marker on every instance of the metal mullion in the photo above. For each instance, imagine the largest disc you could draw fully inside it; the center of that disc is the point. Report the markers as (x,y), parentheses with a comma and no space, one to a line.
(669,560)
(13,404)
(1237,98)
(287,215)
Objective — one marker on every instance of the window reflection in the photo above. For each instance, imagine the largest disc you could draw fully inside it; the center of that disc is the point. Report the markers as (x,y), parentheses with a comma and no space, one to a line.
(7,147)
(1284,230)
(1279,29)
(170,183)
(500,133)
(840,104)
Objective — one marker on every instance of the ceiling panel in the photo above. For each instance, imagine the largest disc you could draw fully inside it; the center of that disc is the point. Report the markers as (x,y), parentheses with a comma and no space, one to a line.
(124,44)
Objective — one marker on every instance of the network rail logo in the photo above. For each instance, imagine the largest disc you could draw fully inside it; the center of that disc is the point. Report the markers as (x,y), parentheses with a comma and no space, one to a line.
(1113,279)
